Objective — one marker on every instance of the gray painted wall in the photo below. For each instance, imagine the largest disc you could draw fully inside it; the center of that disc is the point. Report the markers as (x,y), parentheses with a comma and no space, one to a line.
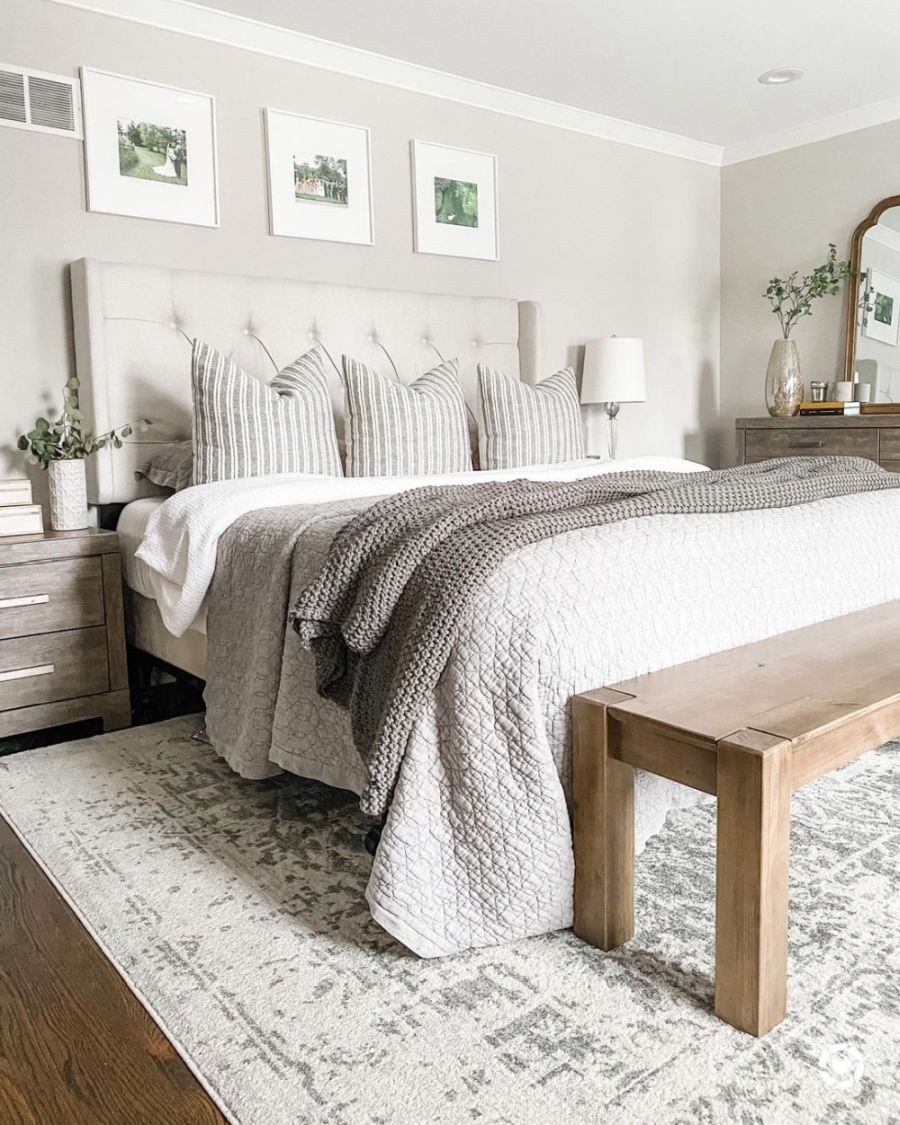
(609,238)
(779,213)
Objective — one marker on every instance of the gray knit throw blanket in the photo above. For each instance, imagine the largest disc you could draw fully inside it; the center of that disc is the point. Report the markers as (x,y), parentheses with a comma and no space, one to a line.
(383,613)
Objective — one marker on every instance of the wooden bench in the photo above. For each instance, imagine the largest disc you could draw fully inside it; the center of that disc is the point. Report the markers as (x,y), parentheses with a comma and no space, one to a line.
(749,725)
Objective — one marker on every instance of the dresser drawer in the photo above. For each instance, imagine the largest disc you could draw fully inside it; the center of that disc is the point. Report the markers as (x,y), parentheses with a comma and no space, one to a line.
(48,597)
(762,444)
(889,450)
(52,666)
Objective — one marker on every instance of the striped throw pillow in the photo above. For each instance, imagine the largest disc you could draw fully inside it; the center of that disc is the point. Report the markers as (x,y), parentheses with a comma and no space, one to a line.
(395,430)
(523,425)
(243,427)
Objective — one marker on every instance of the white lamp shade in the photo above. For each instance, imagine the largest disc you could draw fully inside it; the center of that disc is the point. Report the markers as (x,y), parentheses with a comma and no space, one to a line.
(614,370)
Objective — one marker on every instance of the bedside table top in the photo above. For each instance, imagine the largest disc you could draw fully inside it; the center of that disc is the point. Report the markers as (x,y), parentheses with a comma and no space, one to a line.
(57,545)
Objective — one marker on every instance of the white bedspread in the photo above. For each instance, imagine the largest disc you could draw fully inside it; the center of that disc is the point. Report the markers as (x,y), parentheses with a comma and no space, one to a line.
(182,534)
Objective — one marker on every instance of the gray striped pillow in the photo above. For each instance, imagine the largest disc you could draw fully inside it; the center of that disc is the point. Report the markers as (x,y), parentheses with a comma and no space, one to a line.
(395,430)
(245,428)
(523,425)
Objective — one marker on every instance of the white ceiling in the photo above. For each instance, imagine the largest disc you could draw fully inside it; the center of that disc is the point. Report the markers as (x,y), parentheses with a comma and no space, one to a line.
(687,67)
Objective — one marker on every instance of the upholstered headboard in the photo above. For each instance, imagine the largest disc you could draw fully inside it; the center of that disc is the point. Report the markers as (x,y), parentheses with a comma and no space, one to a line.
(134,326)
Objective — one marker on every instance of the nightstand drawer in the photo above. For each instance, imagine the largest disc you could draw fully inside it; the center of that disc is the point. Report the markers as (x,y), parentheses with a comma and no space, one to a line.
(762,444)
(49,597)
(52,666)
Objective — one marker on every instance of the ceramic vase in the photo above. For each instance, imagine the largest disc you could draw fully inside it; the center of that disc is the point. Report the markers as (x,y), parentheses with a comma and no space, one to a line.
(784,383)
(68,495)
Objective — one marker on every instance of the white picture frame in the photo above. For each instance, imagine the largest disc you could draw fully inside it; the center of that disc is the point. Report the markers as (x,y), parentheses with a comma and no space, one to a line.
(337,204)
(173,175)
(881,310)
(471,195)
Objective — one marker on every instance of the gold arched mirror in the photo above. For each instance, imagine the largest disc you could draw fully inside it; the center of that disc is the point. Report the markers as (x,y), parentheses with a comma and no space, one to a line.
(873,309)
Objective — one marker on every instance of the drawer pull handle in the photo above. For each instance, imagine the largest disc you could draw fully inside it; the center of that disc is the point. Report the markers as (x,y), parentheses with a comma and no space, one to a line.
(27,673)
(31,599)
(807,445)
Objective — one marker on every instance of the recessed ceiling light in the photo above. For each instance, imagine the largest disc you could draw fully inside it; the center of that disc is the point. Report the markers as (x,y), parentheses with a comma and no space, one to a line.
(781,75)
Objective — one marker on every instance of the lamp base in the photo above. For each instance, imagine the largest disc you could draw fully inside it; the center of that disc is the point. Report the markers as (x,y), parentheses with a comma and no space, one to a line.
(612,410)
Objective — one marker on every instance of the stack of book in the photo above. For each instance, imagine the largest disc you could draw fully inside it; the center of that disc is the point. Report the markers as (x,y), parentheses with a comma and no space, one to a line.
(18,515)
(881,408)
(810,409)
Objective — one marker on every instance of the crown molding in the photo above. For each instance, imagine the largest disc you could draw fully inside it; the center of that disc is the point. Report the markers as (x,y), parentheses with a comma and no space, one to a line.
(837,125)
(239,31)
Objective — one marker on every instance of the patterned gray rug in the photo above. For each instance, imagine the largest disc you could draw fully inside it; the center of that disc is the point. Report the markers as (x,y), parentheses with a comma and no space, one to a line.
(236,911)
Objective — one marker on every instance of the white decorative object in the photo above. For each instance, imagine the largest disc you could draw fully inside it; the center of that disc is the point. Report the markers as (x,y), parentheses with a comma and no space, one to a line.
(613,373)
(150,150)
(68,495)
(784,382)
(320,180)
(843,391)
(454,201)
(863,392)
(881,308)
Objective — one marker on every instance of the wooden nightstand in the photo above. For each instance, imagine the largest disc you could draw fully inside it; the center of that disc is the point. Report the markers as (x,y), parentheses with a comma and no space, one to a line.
(62,631)
(875,436)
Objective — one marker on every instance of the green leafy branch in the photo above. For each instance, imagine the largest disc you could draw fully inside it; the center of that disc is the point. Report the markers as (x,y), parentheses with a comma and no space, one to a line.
(66,438)
(791,297)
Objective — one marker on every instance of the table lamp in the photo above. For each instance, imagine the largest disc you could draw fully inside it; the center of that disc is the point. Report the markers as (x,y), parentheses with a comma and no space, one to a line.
(613,373)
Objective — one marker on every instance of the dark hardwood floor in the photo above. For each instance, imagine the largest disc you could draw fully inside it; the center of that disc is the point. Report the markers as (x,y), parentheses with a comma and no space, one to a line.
(76,1046)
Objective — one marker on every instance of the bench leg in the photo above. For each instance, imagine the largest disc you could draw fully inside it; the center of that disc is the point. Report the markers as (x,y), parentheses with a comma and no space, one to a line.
(603,829)
(754,809)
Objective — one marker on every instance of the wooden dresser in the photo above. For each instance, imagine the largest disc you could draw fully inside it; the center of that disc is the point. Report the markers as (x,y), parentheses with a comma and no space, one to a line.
(62,634)
(876,436)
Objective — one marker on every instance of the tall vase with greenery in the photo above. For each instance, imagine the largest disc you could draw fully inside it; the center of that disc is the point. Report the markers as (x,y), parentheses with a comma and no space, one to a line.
(60,447)
(791,299)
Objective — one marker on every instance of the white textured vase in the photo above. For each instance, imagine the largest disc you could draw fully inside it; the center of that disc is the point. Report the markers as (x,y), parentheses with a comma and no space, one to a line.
(68,495)
(784,383)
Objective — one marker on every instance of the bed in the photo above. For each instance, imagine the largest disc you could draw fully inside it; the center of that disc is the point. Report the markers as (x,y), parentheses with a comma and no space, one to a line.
(476,844)
(133,330)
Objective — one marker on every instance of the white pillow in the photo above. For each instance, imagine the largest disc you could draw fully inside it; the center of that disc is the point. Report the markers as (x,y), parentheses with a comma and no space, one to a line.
(396,430)
(522,425)
(243,427)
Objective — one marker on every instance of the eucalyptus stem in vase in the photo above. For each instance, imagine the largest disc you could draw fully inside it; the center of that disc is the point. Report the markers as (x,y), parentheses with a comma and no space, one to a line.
(791,298)
(61,447)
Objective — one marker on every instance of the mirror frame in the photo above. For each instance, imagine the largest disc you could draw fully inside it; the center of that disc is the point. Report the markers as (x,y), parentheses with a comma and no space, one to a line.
(856,245)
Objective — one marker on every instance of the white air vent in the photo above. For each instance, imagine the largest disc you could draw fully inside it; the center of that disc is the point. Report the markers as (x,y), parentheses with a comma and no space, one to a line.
(47,103)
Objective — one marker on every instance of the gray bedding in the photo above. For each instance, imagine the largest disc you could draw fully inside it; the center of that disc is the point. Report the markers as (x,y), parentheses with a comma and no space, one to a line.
(383,613)
(476,846)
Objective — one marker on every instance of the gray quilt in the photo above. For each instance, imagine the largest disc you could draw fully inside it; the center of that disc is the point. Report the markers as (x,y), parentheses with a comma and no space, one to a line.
(383,613)
(477,843)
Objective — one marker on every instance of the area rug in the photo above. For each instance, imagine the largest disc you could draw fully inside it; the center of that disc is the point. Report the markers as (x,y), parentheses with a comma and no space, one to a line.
(236,910)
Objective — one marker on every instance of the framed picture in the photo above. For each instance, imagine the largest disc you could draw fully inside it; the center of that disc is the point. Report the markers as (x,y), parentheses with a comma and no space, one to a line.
(881,315)
(320,180)
(150,150)
(454,201)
